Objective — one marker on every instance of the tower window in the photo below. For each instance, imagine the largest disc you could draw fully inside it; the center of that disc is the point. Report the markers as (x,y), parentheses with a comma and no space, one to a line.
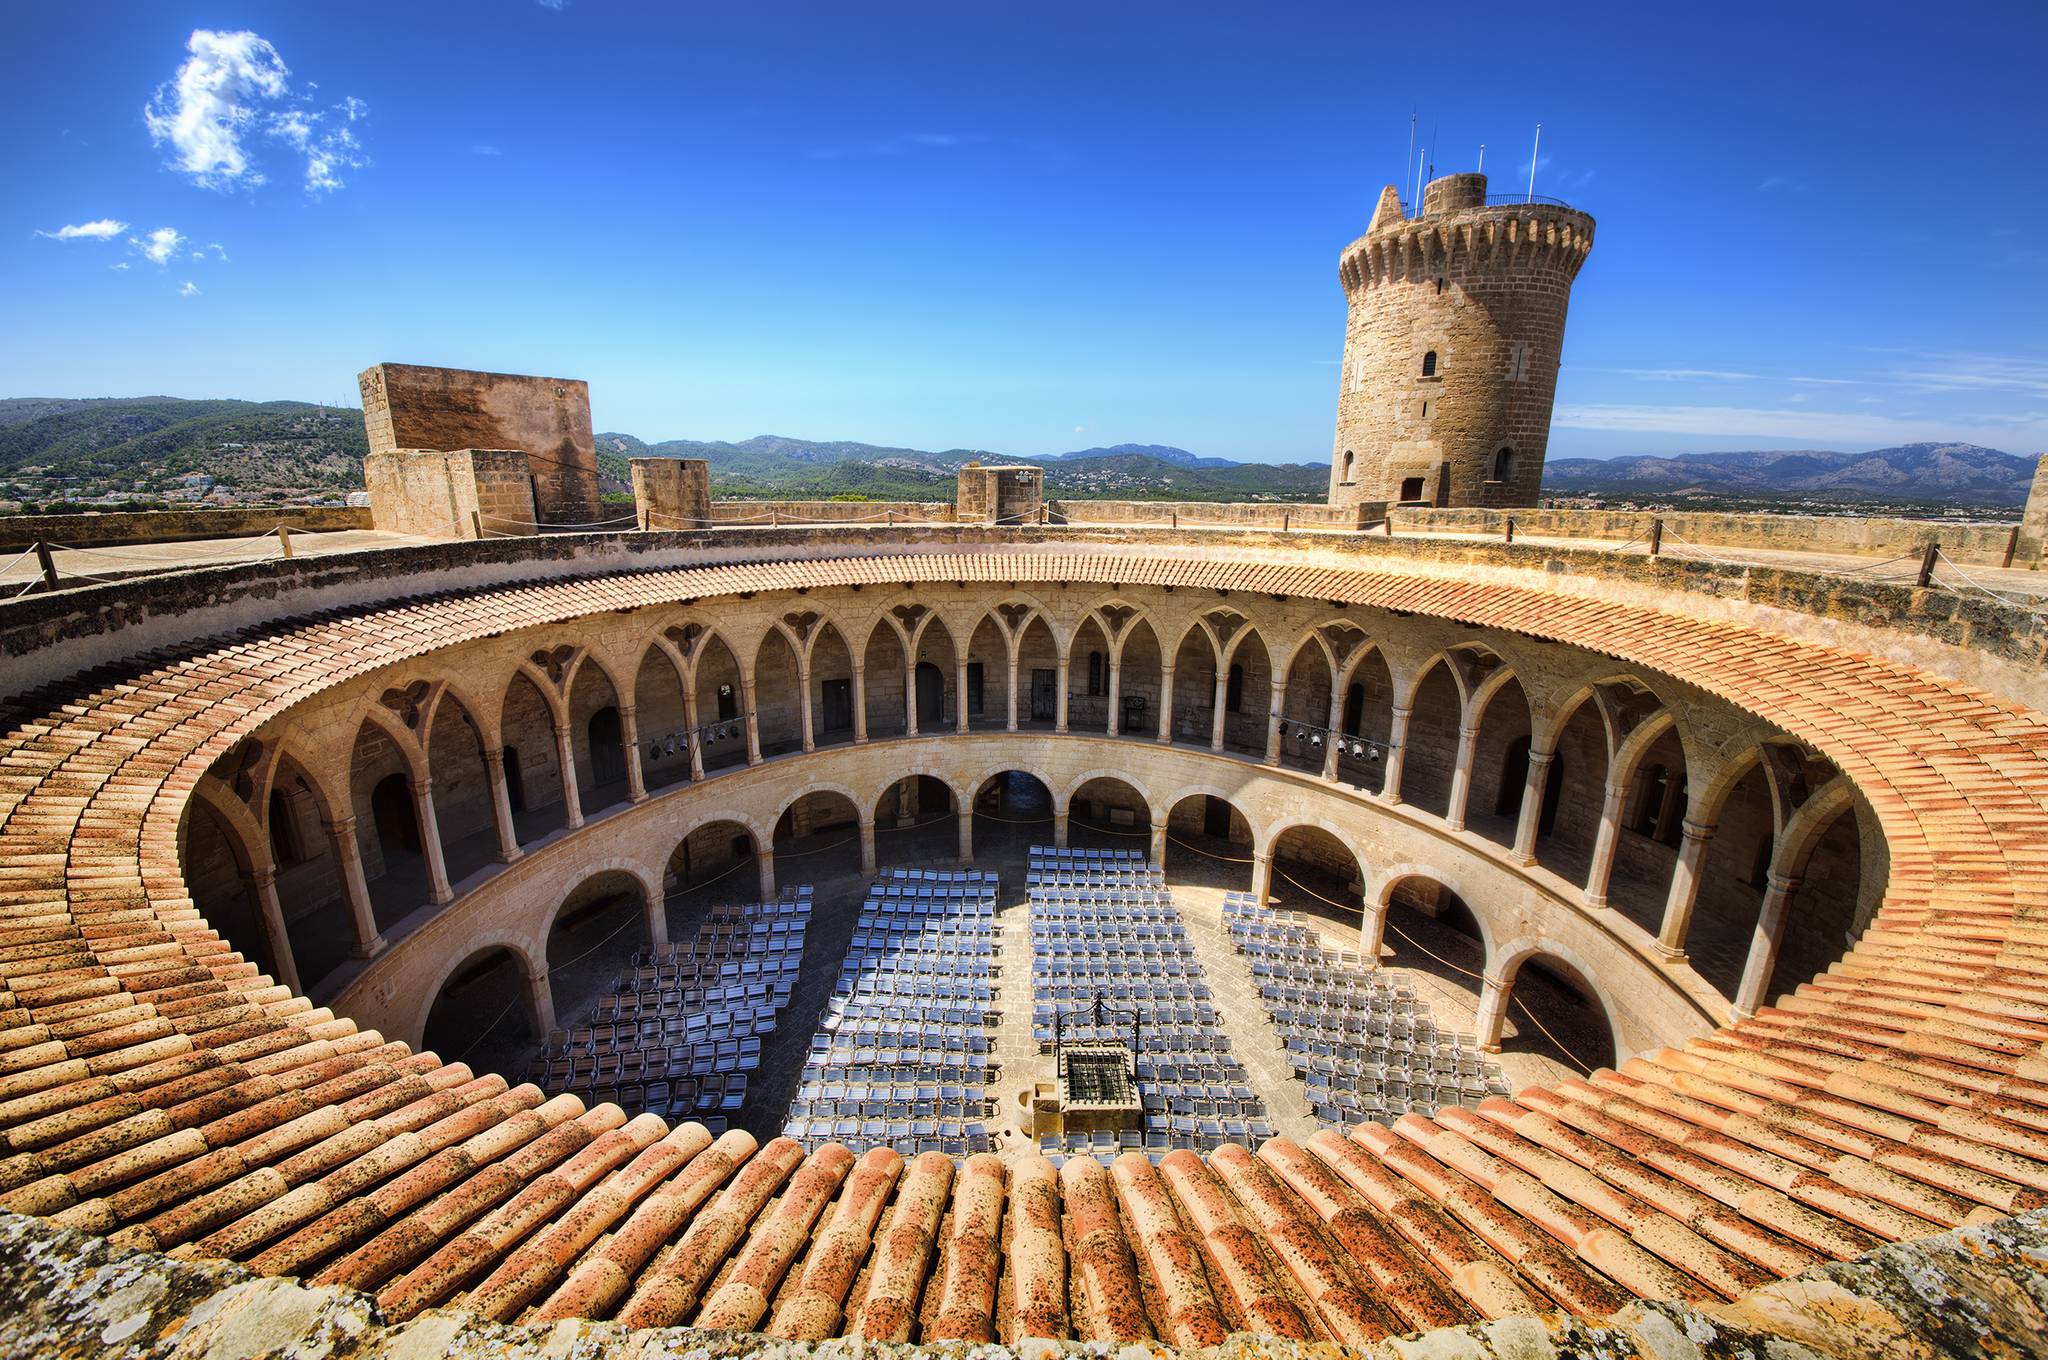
(1518,361)
(1429,364)
(1504,465)
(1411,488)
(1349,459)
(1439,287)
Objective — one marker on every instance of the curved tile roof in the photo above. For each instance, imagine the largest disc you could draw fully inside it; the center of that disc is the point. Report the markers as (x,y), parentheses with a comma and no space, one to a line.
(156,1090)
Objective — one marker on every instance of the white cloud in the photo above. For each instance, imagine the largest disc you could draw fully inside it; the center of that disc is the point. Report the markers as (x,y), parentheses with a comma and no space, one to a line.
(220,251)
(230,87)
(1080,429)
(158,246)
(106,229)
(188,289)
(556,5)
(118,267)
(485,149)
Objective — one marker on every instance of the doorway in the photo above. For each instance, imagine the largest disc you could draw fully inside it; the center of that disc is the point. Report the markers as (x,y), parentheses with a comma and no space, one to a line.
(931,694)
(1044,694)
(838,696)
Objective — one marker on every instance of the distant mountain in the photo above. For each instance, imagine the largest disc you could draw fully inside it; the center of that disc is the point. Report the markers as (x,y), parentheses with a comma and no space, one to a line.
(147,444)
(1949,474)
(1165,453)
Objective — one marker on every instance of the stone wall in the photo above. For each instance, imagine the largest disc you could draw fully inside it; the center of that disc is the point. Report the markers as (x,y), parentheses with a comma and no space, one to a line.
(1245,514)
(1000,495)
(174,526)
(672,493)
(772,513)
(1981,544)
(407,406)
(2034,526)
(451,495)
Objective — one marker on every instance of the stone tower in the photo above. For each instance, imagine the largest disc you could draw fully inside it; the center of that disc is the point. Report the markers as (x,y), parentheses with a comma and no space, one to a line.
(1451,351)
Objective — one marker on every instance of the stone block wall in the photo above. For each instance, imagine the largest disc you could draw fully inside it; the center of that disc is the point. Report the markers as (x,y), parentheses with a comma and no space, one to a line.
(174,526)
(1247,514)
(1000,495)
(2034,524)
(672,493)
(771,513)
(446,495)
(407,406)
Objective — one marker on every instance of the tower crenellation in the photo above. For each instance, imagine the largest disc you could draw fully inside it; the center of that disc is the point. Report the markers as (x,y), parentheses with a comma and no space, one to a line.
(1452,347)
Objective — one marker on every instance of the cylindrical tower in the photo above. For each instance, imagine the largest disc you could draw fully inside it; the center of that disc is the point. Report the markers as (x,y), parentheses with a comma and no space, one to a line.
(1451,351)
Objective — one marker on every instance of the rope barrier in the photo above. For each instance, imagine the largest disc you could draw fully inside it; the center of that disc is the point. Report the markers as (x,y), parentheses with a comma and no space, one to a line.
(1227,859)
(2013,602)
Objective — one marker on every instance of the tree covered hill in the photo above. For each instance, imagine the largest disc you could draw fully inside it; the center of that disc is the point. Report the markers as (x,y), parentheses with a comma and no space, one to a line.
(150,443)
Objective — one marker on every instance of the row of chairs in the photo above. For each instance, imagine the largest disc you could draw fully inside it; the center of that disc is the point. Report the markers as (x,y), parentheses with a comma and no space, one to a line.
(901,1055)
(1360,1043)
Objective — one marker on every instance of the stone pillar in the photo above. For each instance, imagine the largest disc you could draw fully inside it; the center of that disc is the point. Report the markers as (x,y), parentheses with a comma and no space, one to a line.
(657,920)
(1605,841)
(1493,1013)
(2033,539)
(1159,843)
(803,689)
(1012,690)
(1530,821)
(501,807)
(695,739)
(438,891)
(764,863)
(1060,699)
(860,703)
(867,845)
(1165,703)
(1763,945)
(1222,697)
(1397,756)
(565,764)
(910,695)
(629,739)
(1116,685)
(752,717)
(1461,777)
(1262,876)
(1372,932)
(271,914)
(348,857)
(1059,830)
(966,820)
(1685,890)
(1332,738)
(1274,707)
(959,693)
(540,1001)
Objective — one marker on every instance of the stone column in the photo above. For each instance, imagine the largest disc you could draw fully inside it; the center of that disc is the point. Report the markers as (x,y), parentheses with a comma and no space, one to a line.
(1372,931)
(1332,738)
(803,689)
(1262,876)
(1397,756)
(657,920)
(1493,1013)
(1685,890)
(271,914)
(629,739)
(438,891)
(959,693)
(753,719)
(1461,777)
(348,857)
(867,845)
(1060,699)
(565,765)
(1222,697)
(965,818)
(501,807)
(1159,843)
(764,863)
(1165,703)
(1763,945)
(1530,820)
(1059,830)
(1116,685)
(695,739)
(860,703)
(540,1001)
(1605,841)
(1275,706)
(1012,691)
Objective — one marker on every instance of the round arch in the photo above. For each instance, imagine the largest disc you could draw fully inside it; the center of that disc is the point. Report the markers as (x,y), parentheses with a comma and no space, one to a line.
(535,998)
(1209,839)
(1598,1044)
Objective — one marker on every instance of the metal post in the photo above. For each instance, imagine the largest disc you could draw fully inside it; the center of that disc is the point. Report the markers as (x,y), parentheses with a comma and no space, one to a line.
(1388,524)
(1286,520)
(1533,154)
(284,540)
(1656,537)
(1927,556)
(476,522)
(49,567)
(2012,546)
(1511,529)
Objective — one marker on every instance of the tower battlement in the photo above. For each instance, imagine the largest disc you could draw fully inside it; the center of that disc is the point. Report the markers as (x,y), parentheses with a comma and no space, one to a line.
(1452,349)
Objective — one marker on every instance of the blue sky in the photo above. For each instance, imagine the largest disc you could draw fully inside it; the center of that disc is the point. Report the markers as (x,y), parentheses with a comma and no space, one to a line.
(1025,231)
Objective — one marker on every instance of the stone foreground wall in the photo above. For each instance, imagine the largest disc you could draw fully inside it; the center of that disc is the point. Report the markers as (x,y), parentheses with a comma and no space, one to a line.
(768,513)
(1975,543)
(1975,1291)
(173,526)
(469,493)
(1246,513)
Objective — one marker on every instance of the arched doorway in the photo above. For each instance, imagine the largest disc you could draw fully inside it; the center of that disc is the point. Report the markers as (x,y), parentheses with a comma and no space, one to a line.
(1431,749)
(1038,675)
(1139,671)
(595,734)
(1828,910)
(1088,664)
(714,862)
(218,872)
(817,840)
(662,720)
(1013,811)
(533,776)
(832,688)
(1247,693)
(1554,1012)
(936,659)
(1194,688)
(1431,929)
(1734,875)
(883,680)
(916,823)
(1208,841)
(1367,720)
(1106,813)
(931,697)
(1316,873)
(1305,711)
(387,827)
(1651,833)
(462,790)
(484,1014)
(987,699)
(1504,721)
(778,695)
(721,726)
(595,931)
